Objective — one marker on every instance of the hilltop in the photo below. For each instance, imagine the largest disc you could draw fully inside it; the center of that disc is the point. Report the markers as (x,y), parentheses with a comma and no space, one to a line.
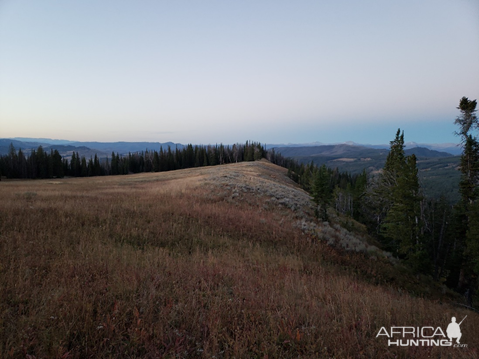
(213,261)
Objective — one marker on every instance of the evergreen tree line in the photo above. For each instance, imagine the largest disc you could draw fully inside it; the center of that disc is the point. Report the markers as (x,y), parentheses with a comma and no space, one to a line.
(42,164)
(37,164)
(431,235)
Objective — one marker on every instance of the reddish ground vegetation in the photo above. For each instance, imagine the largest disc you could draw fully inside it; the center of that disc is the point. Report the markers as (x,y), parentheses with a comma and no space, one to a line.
(193,263)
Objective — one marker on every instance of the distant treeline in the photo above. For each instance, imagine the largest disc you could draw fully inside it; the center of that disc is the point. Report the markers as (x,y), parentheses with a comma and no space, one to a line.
(42,164)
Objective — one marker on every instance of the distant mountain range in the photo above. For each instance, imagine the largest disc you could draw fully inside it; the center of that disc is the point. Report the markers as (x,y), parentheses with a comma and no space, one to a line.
(452,148)
(352,151)
(123,147)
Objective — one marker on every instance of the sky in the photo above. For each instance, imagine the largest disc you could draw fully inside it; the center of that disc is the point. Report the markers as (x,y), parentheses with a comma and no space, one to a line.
(229,71)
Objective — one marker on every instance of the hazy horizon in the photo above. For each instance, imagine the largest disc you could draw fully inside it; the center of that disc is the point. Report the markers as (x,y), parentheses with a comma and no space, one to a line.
(314,143)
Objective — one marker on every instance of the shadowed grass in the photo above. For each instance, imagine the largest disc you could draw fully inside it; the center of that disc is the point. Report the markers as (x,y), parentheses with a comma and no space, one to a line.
(158,265)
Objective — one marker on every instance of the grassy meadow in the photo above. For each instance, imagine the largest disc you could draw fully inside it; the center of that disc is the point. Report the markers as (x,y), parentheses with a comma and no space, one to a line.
(180,264)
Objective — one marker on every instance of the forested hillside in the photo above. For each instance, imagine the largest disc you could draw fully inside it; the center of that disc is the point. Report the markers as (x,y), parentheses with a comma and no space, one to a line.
(438,171)
(431,234)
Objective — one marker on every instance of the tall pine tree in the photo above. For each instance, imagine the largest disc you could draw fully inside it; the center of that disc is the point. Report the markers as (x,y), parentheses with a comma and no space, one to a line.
(321,192)
(468,232)
(400,188)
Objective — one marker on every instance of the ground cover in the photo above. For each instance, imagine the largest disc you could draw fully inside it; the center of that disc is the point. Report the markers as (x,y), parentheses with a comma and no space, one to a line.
(224,261)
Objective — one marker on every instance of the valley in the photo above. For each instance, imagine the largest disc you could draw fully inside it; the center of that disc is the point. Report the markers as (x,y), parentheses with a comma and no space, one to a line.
(438,171)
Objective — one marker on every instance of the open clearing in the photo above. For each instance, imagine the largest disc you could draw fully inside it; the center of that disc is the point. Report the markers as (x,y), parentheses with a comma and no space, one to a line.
(222,262)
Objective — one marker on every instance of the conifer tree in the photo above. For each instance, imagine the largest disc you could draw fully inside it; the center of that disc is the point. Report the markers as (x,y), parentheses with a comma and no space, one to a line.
(84,167)
(90,167)
(32,164)
(380,191)
(156,162)
(198,158)
(12,159)
(114,164)
(205,158)
(468,119)
(212,156)
(322,192)
(75,164)
(396,157)
(359,190)
(400,191)
(96,166)
(472,239)
(41,163)
(403,222)
(57,164)
(72,164)
(468,186)
(466,212)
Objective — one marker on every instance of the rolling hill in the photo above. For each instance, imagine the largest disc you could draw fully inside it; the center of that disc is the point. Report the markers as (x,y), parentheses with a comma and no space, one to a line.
(224,261)
(438,170)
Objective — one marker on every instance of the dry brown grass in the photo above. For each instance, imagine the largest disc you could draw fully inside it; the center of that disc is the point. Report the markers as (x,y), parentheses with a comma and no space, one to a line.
(164,265)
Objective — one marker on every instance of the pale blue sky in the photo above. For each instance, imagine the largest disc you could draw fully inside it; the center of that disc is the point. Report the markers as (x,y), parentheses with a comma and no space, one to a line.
(229,71)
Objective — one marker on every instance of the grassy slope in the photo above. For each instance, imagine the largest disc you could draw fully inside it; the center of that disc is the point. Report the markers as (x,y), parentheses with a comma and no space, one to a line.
(198,262)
